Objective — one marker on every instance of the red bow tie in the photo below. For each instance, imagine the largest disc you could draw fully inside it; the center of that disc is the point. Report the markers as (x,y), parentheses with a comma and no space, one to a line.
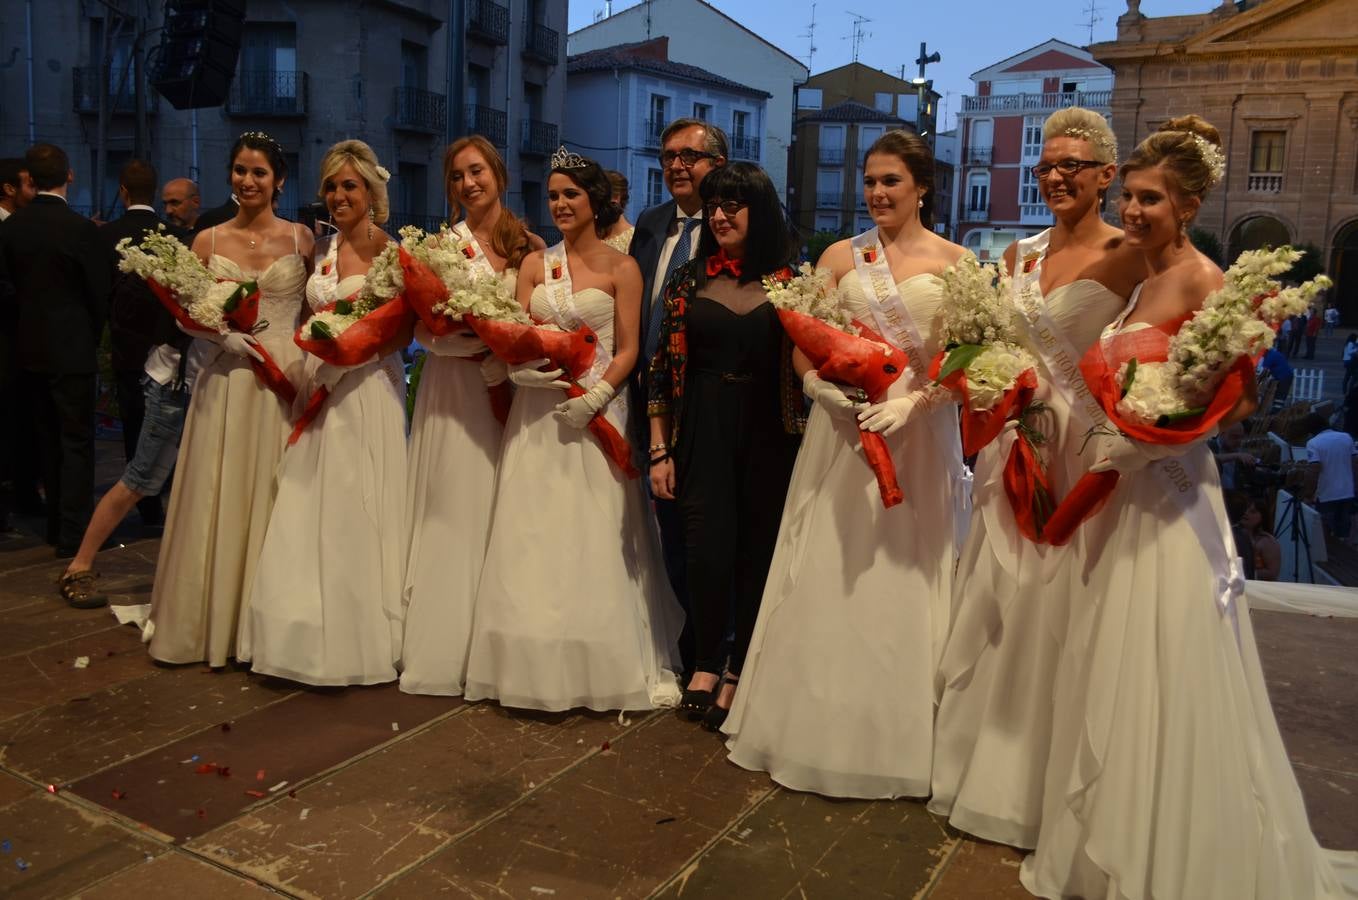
(719,262)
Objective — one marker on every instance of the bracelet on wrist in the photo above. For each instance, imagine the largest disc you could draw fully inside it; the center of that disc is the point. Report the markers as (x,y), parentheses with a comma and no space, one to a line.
(660,446)
(656,460)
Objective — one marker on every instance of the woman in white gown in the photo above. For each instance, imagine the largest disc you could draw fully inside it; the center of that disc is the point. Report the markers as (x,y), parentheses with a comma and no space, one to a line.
(455,439)
(327,593)
(1009,608)
(573,608)
(1168,777)
(837,693)
(235,430)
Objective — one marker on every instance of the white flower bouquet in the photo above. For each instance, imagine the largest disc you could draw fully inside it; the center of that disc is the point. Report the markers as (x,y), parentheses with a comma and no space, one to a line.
(184,286)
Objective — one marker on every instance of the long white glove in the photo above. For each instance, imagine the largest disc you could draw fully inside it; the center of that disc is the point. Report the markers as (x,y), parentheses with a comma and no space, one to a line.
(1123,454)
(577,411)
(889,416)
(493,370)
(327,376)
(829,395)
(237,342)
(530,375)
(461,344)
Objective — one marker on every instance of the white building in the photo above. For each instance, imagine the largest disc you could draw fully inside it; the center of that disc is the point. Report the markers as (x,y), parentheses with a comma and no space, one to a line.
(619,99)
(703,36)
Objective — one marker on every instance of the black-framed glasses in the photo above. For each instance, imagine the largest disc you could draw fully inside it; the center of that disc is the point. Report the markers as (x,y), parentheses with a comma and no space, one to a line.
(728,207)
(688,156)
(1065,167)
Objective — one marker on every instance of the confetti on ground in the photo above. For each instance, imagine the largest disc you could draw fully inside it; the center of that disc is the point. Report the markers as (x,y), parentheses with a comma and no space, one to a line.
(82,662)
(257,793)
(6,846)
(259,776)
(118,795)
(292,794)
(206,768)
(224,771)
(226,726)
(278,787)
(202,813)
(606,746)
(665,821)
(542,890)
(22,866)
(622,718)
(395,727)
(744,834)
(306,812)
(51,789)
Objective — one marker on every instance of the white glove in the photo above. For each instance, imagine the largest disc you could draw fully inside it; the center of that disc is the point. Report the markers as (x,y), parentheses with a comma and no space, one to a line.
(494,371)
(327,376)
(461,344)
(530,375)
(889,416)
(239,343)
(1123,454)
(829,395)
(577,411)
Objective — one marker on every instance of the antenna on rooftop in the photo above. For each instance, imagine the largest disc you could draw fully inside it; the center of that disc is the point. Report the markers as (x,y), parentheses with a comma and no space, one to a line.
(810,35)
(858,32)
(1092,12)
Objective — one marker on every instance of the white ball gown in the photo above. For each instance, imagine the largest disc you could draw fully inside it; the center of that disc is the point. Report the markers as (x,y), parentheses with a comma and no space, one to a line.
(573,609)
(1010,608)
(1168,777)
(327,593)
(454,452)
(224,484)
(837,694)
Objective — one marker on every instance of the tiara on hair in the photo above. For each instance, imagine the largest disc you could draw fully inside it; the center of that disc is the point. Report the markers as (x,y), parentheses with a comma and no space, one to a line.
(1212,156)
(564,159)
(1098,139)
(383,174)
(259,136)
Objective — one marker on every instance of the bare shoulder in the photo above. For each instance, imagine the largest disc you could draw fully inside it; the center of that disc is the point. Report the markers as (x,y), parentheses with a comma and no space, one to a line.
(531,267)
(945,251)
(838,258)
(534,241)
(1011,256)
(1203,274)
(202,243)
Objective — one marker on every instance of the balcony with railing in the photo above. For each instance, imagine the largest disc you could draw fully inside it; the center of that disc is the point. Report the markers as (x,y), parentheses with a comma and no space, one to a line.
(980,156)
(268,93)
(122,99)
(1036,102)
(1264,183)
(492,124)
(976,215)
(1034,214)
(830,156)
(541,43)
(744,147)
(488,21)
(829,199)
(538,138)
(651,129)
(420,110)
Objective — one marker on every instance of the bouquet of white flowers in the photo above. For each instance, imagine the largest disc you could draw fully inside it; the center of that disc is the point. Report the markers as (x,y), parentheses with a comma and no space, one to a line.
(809,293)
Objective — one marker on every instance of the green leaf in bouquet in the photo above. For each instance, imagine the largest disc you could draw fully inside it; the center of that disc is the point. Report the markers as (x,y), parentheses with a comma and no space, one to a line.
(958,359)
(344,307)
(321,332)
(1131,376)
(240,293)
(1170,418)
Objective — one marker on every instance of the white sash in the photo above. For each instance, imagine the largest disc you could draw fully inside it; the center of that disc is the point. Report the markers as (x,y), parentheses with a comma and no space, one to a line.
(476,257)
(556,277)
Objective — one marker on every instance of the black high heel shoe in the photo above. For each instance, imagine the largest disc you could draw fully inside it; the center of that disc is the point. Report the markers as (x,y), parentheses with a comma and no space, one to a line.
(716,715)
(695,704)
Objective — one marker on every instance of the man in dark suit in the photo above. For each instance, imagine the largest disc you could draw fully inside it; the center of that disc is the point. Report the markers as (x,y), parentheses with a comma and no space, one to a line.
(60,277)
(18,459)
(217,215)
(136,319)
(666,237)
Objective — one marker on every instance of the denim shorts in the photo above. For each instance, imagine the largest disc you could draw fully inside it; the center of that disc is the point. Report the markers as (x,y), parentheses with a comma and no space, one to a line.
(158,444)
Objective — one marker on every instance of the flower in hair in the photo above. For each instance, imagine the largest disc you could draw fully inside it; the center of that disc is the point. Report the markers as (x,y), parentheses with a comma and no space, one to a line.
(1212,156)
(1097,139)
(564,159)
(383,173)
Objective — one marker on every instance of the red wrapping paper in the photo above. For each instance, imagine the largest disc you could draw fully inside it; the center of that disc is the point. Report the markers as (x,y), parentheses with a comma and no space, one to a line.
(866,361)
(980,427)
(572,352)
(1028,489)
(423,291)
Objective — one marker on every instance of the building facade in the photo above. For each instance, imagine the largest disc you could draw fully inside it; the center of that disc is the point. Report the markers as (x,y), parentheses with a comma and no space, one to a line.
(945,180)
(1000,134)
(309,73)
(619,99)
(1279,80)
(703,36)
(839,114)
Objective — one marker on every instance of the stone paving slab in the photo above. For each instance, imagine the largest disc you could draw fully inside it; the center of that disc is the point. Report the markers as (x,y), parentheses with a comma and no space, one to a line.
(357,828)
(619,824)
(174,876)
(191,786)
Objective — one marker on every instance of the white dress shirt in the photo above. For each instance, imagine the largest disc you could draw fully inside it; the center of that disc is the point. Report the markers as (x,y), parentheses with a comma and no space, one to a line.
(667,250)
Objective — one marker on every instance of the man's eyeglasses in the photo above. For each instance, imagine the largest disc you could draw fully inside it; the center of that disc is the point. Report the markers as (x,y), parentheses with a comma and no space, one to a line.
(728,207)
(1065,167)
(688,156)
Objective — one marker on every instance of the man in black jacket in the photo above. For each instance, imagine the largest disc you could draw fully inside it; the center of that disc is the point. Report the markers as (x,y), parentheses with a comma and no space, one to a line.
(137,322)
(60,278)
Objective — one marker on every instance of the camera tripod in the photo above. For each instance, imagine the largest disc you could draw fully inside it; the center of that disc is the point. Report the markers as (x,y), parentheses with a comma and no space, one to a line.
(1294,526)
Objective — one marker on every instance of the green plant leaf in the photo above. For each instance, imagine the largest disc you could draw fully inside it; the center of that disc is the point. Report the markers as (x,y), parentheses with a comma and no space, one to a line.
(1170,418)
(957,359)
(321,332)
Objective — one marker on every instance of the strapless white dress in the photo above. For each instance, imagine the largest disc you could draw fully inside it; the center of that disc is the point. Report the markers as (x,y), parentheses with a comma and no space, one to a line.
(1167,775)
(224,483)
(573,608)
(837,693)
(454,454)
(327,592)
(1010,607)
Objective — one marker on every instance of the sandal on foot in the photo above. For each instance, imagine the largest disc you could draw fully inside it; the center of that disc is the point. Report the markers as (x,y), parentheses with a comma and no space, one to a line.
(695,704)
(716,715)
(79,590)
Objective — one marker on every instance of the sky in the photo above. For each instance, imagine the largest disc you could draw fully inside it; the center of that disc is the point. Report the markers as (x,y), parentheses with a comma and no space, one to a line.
(970,35)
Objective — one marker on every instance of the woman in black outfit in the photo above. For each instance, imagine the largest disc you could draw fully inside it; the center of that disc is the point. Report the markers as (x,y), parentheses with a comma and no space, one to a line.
(726,420)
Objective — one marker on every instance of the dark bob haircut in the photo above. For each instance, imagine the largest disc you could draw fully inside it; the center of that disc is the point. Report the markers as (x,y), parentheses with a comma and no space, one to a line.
(770,242)
(593,180)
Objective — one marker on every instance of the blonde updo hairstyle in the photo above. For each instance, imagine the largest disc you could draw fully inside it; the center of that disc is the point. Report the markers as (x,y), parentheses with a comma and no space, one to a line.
(1189,150)
(364,161)
(1086,125)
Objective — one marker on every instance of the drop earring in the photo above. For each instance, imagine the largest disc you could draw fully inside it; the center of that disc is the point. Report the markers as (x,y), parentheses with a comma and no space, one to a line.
(371,217)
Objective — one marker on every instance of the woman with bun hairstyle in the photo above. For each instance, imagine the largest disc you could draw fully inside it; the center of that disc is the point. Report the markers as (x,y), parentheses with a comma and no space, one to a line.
(998,666)
(455,438)
(1167,776)
(327,594)
(573,608)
